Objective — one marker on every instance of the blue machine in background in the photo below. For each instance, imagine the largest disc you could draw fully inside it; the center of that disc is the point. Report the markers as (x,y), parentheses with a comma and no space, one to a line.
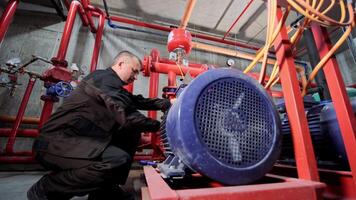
(223,125)
(325,133)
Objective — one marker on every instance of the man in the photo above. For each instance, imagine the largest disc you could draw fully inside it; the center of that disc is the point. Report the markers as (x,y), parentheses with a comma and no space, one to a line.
(89,142)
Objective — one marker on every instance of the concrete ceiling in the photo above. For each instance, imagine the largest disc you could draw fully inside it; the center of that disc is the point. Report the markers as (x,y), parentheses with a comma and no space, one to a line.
(209,16)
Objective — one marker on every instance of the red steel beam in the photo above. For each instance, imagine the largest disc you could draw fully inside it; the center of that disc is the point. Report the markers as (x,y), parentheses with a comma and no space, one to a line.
(303,149)
(238,18)
(339,96)
(7,17)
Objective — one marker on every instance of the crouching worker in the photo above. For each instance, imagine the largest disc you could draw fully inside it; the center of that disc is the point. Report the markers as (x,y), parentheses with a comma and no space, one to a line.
(88,144)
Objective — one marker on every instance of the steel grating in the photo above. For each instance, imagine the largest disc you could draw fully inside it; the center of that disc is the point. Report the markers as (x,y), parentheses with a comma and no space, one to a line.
(234,122)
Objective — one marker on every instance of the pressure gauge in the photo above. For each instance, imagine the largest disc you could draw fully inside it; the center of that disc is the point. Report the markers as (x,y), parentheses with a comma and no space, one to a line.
(230,62)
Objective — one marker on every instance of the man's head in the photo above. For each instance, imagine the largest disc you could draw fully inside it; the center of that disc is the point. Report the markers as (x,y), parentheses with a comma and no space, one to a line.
(127,66)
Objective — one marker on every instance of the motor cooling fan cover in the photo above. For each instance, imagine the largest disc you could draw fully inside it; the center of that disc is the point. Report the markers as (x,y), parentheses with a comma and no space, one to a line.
(224,125)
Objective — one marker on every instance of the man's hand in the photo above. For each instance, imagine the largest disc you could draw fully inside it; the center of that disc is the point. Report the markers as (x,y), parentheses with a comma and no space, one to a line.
(173,100)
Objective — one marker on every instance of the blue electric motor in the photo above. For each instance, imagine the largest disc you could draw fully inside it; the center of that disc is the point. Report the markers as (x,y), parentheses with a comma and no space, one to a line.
(223,125)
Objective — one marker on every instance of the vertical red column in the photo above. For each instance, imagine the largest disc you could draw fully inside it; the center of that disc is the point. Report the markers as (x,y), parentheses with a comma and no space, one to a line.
(339,96)
(303,149)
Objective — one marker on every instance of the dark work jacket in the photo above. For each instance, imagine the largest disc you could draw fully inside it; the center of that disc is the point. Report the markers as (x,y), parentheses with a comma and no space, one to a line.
(99,107)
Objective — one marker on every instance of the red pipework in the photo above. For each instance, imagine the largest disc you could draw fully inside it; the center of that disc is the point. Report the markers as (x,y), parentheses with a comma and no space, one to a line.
(238,18)
(7,16)
(196,65)
(14,160)
(20,114)
(63,47)
(46,112)
(343,108)
(5,132)
(129,87)
(195,35)
(166,68)
(172,77)
(88,14)
(99,35)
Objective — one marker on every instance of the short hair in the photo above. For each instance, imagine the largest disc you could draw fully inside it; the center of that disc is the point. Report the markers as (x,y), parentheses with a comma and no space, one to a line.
(128,54)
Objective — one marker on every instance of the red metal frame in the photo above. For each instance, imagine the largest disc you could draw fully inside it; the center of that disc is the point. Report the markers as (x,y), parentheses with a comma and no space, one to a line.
(283,188)
(7,16)
(304,153)
(339,96)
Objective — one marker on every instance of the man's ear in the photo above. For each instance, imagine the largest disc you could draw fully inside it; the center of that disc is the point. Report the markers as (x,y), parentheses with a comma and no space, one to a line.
(120,64)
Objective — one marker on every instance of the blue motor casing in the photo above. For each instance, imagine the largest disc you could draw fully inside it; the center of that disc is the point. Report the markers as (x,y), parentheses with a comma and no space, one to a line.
(225,126)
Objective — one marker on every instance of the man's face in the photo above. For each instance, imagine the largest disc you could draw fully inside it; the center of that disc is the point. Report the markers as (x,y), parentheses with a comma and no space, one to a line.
(130,70)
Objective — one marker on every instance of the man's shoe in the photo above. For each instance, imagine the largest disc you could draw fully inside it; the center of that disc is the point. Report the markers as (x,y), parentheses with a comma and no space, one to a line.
(36,192)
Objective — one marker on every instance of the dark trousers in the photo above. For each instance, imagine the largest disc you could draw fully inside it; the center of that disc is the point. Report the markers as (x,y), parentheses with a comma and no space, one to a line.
(75,177)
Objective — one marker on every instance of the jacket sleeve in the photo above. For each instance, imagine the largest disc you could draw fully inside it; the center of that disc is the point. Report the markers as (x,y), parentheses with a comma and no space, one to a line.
(110,100)
(142,103)
(138,122)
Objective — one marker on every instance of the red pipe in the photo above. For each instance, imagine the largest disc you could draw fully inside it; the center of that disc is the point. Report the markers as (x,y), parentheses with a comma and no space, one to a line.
(166,68)
(46,112)
(99,35)
(7,16)
(63,47)
(88,14)
(238,18)
(196,65)
(166,29)
(172,77)
(129,87)
(20,114)
(15,159)
(153,91)
(5,132)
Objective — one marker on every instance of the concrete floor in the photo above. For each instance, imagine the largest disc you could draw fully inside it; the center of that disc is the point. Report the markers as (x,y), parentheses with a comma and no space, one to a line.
(14,185)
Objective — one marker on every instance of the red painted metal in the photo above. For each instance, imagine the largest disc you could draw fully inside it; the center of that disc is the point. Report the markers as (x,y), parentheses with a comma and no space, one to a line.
(283,188)
(63,47)
(46,112)
(195,35)
(5,132)
(158,188)
(238,18)
(17,159)
(339,96)
(99,35)
(304,153)
(196,65)
(153,93)
(172,77)
(129,87)
(88,14)
(179,38)
(166,68)
(6,17)
(339,184)
(11,141)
